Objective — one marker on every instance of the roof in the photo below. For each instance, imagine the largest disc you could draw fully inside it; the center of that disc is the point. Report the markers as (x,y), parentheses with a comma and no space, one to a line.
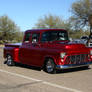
(43,30)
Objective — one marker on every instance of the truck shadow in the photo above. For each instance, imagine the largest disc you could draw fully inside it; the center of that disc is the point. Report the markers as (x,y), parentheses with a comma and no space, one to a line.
(28,67)
(57,72)
(25,66)
(72,70)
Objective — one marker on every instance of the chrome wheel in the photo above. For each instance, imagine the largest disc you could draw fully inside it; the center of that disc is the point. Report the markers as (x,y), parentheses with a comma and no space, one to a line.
(50,66)
(10,60)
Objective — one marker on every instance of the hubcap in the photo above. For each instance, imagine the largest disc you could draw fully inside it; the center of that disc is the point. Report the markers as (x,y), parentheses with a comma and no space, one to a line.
(49,66)
(9,59)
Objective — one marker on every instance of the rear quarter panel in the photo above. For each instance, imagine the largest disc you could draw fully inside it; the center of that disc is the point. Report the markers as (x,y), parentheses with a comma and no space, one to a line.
(13,51)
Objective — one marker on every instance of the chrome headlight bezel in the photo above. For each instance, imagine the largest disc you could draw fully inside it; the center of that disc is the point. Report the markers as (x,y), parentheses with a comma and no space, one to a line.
(62,54)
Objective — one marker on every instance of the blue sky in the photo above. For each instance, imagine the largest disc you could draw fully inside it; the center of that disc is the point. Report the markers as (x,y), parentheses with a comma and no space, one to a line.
(25,13)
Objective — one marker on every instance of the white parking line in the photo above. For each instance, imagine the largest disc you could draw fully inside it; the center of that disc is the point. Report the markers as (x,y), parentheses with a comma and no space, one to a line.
(44,82)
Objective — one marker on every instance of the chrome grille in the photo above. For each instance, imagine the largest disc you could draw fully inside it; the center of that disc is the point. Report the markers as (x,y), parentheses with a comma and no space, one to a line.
(77,59)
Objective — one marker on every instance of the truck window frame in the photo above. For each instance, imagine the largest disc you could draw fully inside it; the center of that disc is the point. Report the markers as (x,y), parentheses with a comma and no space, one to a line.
(35,38)
(27,37)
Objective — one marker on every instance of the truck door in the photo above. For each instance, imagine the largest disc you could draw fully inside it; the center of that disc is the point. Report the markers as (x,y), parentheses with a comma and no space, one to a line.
(35,55)
(30,50)
(24,49)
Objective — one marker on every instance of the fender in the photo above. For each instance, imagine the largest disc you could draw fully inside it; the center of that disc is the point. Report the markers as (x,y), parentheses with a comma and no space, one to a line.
(49,56)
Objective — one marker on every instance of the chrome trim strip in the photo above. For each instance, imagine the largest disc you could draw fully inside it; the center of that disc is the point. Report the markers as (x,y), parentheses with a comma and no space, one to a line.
(72,65)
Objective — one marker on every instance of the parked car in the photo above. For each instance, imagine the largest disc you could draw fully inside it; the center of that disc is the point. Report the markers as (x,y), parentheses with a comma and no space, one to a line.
(78,41)
(49,49)
(84,39)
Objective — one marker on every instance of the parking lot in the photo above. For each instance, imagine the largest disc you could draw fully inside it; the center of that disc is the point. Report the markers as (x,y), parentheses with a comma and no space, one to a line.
(26,79)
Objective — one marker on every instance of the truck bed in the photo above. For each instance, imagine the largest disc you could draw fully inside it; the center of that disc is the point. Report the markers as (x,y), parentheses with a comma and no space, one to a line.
(13,45)
(13,50)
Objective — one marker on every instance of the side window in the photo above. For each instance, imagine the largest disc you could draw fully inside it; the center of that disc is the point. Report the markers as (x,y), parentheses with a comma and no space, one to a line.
(27,37)
(35,37)
(45,37)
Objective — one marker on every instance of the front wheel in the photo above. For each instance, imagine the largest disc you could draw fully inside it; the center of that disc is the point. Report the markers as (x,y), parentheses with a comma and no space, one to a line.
(50,66)
(10,61)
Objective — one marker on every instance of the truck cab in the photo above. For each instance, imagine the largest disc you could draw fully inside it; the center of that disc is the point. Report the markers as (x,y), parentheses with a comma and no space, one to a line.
(49,49)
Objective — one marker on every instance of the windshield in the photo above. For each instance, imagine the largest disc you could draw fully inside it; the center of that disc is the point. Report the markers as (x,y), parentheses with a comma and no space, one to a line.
(54,36)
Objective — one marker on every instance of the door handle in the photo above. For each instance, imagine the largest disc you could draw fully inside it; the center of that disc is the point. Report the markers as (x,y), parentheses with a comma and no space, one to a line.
(36,45)
(33,45)
(28,45)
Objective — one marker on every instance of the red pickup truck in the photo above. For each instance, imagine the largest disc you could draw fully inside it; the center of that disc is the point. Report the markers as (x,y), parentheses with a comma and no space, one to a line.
(49,49)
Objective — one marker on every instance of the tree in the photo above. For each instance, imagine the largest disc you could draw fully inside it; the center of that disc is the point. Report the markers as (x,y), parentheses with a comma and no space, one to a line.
(8,29)
(52,21)
(82,14)
(19,36)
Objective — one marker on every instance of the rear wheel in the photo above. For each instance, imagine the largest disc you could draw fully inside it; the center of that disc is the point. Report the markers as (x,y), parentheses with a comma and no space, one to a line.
(50,66)
(10,61)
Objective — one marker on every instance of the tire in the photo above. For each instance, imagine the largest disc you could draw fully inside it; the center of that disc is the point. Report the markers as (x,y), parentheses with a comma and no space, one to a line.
(50,66)
(10,61)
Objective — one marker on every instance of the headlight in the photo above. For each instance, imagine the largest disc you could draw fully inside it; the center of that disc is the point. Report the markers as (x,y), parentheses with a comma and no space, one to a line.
(90,52)
(62,55)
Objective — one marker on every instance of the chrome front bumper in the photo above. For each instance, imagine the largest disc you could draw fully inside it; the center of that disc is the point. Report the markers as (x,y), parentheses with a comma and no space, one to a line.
(72,65)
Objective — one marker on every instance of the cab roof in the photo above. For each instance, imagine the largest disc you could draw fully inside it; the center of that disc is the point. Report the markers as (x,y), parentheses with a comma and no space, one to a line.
(43,30)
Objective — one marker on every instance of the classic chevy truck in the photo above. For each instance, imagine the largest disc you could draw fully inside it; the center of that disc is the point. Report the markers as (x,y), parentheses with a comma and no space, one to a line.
(49,49)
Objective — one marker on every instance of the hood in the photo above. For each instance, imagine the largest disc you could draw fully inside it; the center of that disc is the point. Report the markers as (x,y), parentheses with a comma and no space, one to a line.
(68,46)
(72,48)
(72,45)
